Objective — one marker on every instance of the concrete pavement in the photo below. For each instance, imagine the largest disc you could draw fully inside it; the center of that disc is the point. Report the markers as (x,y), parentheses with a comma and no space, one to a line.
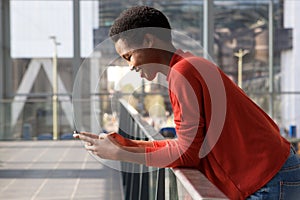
(60,170)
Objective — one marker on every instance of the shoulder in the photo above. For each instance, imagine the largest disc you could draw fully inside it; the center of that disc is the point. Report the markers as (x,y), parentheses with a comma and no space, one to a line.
(192,66)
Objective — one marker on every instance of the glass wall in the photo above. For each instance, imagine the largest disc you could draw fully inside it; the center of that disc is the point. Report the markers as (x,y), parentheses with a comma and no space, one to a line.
(253,33)
(241,33)
(28,105)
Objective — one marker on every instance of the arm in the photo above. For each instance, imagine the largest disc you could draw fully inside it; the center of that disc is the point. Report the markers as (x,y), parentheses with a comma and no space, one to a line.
(186,95)
(125,142)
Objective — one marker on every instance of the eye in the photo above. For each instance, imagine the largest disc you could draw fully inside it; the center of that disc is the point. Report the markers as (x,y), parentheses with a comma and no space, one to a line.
(128,58)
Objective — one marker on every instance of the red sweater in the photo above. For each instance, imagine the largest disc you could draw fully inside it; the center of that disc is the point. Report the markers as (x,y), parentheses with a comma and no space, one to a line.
(241,147)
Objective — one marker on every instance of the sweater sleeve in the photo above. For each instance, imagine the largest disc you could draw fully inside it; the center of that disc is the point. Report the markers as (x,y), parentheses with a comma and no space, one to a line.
(186,98)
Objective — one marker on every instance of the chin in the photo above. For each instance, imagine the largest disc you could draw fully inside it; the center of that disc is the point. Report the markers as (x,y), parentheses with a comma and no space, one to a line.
(150,78)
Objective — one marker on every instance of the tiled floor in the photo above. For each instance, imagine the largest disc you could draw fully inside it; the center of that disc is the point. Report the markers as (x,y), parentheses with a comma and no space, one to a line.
(60,170)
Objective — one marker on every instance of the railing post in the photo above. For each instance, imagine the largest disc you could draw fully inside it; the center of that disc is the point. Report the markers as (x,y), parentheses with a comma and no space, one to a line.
(144,187)
(160,195)
(172,185)
(135,183)
(208,27)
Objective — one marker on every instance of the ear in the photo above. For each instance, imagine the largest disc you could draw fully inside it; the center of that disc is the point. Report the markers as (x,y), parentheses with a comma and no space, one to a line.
(149,40)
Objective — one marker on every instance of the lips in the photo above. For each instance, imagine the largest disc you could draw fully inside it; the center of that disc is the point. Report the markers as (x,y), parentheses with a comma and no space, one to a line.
(138,69)
(134,68)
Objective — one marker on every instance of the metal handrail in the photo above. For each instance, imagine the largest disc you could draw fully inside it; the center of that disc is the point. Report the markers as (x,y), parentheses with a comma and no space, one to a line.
(136,186)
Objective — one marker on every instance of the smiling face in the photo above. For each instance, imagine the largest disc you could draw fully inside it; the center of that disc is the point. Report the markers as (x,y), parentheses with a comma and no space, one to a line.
(143,60)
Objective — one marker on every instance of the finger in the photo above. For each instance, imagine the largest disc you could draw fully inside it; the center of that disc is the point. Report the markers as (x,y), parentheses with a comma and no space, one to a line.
(88,144)
(86,139)
(91,135)
(90,148)
(77,135)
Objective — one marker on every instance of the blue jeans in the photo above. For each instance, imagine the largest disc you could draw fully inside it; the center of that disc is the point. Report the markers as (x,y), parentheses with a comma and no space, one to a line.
(285,185)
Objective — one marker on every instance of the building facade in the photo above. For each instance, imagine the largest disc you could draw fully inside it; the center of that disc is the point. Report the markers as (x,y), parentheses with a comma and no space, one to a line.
(265,32)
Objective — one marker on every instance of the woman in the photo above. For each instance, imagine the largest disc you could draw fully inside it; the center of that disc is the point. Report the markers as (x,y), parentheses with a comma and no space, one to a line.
(220,131)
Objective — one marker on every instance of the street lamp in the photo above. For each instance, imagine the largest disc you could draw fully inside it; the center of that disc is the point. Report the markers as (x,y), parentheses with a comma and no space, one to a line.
(54,83)
(240,54)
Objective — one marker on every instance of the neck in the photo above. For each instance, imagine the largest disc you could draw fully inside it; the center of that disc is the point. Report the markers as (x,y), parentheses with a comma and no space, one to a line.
(166,55)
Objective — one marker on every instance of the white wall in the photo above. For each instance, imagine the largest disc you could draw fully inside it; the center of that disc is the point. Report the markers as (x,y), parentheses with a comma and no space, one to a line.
(32,22)
(290,64)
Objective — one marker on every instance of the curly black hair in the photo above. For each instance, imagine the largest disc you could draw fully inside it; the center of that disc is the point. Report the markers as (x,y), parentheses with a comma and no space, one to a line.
(143,19)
